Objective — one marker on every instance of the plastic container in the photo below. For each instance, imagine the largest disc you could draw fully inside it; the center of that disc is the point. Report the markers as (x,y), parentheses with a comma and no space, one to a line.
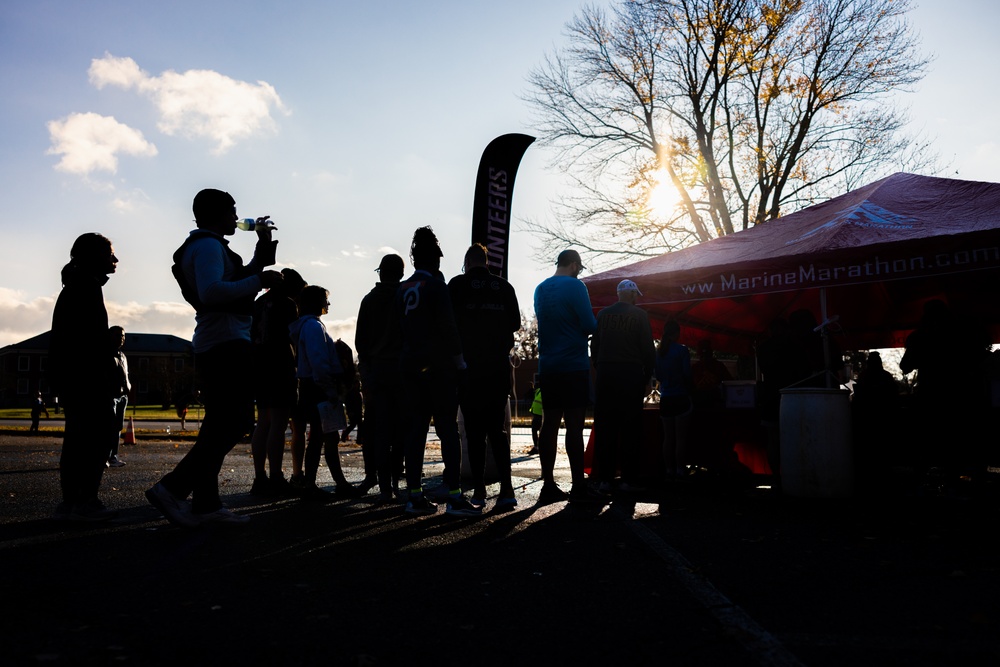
(817,459)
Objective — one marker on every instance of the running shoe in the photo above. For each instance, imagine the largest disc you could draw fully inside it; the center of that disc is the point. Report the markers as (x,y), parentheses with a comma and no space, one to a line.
(460,506)
(420,505)
(174,509)
(551,493)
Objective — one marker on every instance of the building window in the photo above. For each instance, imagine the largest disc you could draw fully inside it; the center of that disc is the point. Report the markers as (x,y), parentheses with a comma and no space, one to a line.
(43,363)
(24,363)
(22,387)
(143,386)
(178,365)
(144,365)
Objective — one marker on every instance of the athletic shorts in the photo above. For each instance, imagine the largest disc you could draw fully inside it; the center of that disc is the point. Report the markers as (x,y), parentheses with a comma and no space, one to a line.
(565,391)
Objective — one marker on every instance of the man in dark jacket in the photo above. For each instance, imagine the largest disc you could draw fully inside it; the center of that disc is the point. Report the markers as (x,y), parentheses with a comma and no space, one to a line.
(431,361)
(622,351)
(377,343)
(487,314)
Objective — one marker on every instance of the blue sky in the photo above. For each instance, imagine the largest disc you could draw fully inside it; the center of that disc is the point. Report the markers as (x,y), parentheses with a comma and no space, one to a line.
(351,124)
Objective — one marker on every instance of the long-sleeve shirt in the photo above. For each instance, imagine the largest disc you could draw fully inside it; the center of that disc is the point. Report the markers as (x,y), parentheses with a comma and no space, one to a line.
(565,321)
(217,281)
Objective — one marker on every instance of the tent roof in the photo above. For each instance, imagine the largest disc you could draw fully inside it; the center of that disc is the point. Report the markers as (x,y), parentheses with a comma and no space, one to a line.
(881,250)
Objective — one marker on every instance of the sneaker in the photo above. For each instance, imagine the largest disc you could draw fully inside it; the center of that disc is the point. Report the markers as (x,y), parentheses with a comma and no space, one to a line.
(223,515)
(533,451)
(63,512)
(551,493)
(280,487)
(174,509)
(366,485)
(420,505)
(477,502)
(347,491)
(583,494)
(92,511)
(458,505)
(261,487)
(505,504)
(115,462)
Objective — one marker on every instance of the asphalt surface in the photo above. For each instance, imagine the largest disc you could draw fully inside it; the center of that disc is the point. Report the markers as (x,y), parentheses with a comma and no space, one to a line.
(705,572)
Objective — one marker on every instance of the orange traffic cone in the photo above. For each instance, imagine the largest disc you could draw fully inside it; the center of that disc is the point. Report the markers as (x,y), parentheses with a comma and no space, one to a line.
(130,433)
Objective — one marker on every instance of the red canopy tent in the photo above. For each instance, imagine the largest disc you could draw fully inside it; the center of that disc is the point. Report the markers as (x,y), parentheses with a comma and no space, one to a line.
(877,253)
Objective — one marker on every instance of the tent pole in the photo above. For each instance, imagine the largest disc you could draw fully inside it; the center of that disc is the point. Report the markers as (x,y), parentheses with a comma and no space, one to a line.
(824,332)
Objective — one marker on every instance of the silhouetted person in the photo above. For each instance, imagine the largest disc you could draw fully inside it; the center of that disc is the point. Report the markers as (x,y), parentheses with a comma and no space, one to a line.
(793,354)
(950,398)
(537,410)
(215,281)
(431,361)
(487,316)
(37,408)
(322,380)
(708,374)
(565,322)
(119,394)
(82,371)
(275,384)
(378,343)
(623,353)
(673,372)
(875,408)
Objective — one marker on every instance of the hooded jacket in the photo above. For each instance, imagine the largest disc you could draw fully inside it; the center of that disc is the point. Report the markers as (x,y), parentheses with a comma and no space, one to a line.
(317,355)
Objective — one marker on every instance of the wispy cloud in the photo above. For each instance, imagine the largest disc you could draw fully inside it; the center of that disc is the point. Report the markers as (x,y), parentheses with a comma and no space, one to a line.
(90,142)
(196,103)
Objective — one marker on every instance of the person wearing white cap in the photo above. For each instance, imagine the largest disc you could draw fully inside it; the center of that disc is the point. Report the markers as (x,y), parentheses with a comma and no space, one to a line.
(623,353)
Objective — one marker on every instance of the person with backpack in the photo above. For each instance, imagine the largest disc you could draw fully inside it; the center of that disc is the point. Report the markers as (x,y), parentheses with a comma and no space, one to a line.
(214,280)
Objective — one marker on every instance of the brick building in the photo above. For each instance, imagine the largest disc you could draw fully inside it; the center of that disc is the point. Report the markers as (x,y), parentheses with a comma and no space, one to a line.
(161,368)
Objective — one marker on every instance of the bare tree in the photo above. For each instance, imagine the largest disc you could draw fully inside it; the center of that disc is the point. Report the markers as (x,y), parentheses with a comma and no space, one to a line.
(526,338)
(743,108)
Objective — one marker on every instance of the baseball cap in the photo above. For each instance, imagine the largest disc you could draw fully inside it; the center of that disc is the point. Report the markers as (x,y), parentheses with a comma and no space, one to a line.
(628,286)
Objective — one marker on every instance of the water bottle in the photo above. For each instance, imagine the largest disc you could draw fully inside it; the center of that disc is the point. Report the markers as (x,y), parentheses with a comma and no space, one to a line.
(251,225)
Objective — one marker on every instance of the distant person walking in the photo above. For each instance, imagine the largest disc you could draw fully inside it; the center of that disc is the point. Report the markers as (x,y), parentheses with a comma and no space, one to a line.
(37,408)
(487,316)
(119,393)
(82,372)
(623,353)
(214,280)
(565,322)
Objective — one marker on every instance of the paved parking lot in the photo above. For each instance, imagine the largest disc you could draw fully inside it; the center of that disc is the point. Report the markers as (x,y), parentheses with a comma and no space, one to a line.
(705,572)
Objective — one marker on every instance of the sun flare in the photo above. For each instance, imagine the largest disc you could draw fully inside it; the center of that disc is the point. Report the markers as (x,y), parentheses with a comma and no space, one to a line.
(663,197)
